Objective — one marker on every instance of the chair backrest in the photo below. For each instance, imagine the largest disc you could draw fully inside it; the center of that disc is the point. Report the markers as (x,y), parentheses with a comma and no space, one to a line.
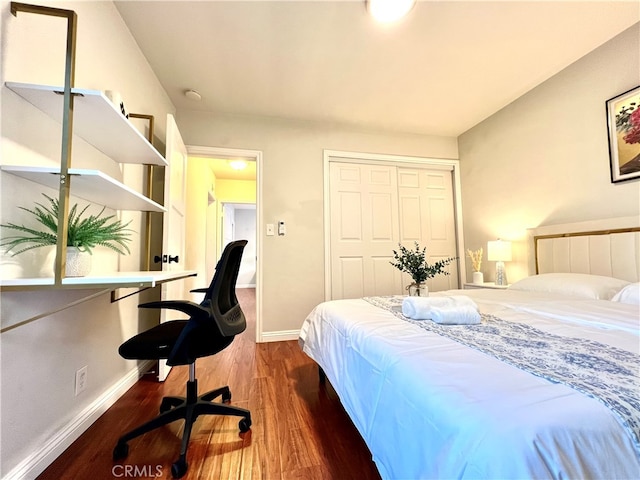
(221,294)
(201,337)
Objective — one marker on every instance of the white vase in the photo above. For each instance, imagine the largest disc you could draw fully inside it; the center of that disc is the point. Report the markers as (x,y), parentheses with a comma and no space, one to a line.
(478,278)
(78,263)
(418,289)
(10,266)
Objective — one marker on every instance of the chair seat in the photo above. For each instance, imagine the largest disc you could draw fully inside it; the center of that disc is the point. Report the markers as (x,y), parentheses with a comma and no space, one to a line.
(153,344)
(158,342)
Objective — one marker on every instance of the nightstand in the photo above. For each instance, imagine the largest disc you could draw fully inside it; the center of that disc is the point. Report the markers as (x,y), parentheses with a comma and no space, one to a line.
(491,285)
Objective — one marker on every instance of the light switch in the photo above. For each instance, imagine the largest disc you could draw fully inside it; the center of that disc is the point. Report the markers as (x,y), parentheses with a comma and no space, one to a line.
(271,229)
(281,228)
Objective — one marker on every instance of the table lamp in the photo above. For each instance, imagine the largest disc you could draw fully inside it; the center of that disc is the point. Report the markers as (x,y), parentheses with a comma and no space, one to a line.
(499,251)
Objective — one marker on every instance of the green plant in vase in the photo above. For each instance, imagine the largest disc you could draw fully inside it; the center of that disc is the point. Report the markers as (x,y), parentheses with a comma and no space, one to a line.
(414,262)
(83,232)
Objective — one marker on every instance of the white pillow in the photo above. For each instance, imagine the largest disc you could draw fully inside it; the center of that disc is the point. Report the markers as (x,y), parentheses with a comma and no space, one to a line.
(572,284)
(629,294)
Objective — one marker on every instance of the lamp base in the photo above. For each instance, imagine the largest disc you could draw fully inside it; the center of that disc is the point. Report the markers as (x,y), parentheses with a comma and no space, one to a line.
(501,274)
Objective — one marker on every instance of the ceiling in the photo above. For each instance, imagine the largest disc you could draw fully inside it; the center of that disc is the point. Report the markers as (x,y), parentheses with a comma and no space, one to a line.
(221,168)
(440,71)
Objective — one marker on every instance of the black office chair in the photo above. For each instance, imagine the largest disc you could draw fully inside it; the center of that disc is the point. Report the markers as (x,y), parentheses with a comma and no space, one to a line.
(211,327)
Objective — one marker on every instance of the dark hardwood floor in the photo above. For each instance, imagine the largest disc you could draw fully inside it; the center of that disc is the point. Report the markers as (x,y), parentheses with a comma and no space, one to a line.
(299,431)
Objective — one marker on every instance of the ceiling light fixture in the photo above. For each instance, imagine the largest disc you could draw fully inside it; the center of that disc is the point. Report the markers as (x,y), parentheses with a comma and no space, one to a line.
(389,10)
(193,95)
(238,164)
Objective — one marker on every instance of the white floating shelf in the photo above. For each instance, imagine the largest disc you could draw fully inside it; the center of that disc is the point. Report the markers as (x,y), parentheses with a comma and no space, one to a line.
(109,280)
(91,185)
(96,120)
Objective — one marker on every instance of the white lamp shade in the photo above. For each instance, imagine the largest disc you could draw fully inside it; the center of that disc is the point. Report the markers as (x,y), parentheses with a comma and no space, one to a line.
(499,251)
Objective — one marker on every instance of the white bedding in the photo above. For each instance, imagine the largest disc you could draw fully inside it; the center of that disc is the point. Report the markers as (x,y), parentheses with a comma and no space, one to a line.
(430,407)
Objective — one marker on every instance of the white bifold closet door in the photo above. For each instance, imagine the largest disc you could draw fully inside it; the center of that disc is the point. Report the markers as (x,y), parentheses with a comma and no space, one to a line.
(427,217)
(364,229)
(373,208)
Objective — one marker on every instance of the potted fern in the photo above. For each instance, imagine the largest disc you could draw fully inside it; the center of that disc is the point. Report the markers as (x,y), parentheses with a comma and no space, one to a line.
(83,234)
(414,262)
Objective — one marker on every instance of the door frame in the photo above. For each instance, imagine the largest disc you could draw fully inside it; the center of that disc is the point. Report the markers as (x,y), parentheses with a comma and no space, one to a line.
(256,156)
(396,160)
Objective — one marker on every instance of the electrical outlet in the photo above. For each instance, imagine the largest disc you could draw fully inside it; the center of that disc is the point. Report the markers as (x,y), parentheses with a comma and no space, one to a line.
(81,380)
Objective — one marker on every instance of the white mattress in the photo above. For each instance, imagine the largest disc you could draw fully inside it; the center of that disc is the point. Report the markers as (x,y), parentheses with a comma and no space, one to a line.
(430,407)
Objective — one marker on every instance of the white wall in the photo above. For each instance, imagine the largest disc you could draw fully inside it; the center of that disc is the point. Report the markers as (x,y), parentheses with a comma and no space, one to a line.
(544,158)
(245,221)
(292,191)
(39,360)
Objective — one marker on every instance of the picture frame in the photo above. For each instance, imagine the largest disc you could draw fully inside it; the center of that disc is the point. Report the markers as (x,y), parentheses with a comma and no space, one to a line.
(623,121)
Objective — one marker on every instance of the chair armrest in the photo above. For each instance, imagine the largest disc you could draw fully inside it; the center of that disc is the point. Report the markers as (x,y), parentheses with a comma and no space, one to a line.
(199,290)
(190,308)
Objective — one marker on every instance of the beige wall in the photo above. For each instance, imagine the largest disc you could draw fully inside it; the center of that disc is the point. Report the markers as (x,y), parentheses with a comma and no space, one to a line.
(39,360)
(292,191)
(544,158)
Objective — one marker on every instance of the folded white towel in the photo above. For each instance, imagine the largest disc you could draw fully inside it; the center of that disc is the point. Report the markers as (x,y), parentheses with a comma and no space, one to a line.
(419,308)
(460,315)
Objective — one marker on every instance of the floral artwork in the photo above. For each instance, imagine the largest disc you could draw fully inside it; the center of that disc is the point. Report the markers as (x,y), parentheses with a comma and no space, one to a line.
(624,135)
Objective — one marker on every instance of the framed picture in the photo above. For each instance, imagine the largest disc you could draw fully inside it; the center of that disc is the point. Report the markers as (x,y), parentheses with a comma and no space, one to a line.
(623,117)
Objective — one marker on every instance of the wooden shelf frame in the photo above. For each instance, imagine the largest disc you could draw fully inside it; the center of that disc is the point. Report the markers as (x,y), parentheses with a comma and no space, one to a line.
(67,122)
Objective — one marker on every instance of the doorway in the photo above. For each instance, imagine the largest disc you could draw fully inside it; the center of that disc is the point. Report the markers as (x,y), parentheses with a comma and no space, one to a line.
(239,223)
(233,210)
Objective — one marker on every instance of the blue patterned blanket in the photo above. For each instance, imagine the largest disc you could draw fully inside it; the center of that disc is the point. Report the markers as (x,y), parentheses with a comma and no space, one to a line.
(605,373)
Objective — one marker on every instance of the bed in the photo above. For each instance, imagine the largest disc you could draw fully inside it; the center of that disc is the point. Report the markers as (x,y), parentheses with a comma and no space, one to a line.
(547,386)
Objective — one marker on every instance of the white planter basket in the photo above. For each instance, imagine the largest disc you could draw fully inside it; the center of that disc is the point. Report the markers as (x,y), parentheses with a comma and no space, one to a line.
(78,263)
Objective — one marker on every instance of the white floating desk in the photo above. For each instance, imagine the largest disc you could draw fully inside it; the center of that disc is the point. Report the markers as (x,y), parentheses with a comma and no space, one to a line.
(110,280)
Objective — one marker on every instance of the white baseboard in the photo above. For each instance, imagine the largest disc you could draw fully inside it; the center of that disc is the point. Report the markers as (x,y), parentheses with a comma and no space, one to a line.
(40,459)
(246,285)
(281,336)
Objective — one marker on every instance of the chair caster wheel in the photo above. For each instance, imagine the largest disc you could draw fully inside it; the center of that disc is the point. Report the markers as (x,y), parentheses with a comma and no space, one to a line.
(179,468)
(120,451)
(226,397)
(244,425)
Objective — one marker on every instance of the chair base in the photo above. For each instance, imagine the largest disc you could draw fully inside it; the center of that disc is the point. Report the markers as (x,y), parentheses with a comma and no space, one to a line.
(187,408)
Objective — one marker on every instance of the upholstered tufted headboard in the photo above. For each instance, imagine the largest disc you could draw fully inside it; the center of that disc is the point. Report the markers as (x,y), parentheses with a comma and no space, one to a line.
(613,253)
